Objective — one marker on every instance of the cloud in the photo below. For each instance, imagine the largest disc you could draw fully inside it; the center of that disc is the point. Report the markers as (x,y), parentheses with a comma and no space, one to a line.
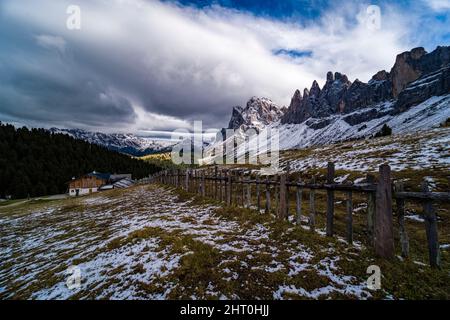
(145,65)
(51,42)
(438,5)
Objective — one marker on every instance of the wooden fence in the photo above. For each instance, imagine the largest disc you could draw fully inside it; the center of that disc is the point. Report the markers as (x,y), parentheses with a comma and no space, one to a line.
(234,187)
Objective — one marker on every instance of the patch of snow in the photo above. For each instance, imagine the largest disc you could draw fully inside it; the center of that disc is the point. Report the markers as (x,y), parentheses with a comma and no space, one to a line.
(415,217)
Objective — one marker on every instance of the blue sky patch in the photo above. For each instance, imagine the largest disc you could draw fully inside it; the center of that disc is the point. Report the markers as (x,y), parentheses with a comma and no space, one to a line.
(267,8)
(293,53)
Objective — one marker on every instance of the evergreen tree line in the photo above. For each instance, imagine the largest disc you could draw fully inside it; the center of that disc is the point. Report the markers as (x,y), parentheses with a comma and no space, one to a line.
(36,162)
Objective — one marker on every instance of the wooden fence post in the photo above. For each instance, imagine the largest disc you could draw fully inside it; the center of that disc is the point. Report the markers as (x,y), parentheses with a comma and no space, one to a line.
(249,194)
(267,195)
(371,206)
(258,194)
(349,217)
(312,206)
(243,188)
(330,200)
(228,188)
(222,184)
(198,182)
(404,242)
(384,231)
(277,196)
(195,181)
(203,184)
(298,204)
(288,174)
(215,182)
(282,214)
(431,230)
(235,188)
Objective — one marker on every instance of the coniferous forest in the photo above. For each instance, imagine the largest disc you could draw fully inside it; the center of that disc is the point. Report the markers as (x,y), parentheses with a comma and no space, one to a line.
(34,162)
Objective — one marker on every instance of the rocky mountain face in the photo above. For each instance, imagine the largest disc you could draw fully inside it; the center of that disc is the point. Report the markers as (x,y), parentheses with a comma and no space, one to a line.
(435,83)
(125,143)
(410,66)
(413,96)
(415,77)
(258,113)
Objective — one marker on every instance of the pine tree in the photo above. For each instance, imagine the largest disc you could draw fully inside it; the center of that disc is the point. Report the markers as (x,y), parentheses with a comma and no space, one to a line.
(35,162)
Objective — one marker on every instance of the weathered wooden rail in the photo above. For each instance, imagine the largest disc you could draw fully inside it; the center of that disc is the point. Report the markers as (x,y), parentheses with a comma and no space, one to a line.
(234,187)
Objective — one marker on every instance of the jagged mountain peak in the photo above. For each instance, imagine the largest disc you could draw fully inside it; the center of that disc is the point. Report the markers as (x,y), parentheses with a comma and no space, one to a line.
(343,110)
(341,77)
(257,113)
(298,94)
(382,75)
(297,98)
(339,95)
(315,89)
(330,76)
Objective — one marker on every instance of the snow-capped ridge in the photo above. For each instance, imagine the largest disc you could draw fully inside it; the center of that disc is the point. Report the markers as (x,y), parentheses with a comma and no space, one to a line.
(123,142)
(414,96)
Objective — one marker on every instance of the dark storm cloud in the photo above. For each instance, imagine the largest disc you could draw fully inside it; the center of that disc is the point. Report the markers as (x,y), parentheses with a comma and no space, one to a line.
(145,65)
(82,102)
(41,83)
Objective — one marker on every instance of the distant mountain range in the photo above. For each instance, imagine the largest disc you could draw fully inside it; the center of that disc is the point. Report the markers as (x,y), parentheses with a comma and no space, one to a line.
(414,95)
(124,143)
(415,77)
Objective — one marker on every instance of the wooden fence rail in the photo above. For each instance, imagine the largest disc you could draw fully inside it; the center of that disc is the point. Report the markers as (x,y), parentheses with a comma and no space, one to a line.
(235,187)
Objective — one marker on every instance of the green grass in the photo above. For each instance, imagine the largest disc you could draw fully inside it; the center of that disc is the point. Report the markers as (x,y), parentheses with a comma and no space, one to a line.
(201,270)
(401,278)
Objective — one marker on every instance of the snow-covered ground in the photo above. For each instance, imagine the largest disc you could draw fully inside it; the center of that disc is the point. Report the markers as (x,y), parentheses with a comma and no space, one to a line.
(337,128)
(415,151)
(425,116)
(119,245)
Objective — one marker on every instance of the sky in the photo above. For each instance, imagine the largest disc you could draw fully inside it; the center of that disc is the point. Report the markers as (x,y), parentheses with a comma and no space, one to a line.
(149,67)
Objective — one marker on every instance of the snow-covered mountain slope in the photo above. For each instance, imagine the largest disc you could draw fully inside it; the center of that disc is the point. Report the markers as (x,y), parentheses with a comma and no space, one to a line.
(424,116)
(344,127)
(414,96)
(125,143)
(416,150)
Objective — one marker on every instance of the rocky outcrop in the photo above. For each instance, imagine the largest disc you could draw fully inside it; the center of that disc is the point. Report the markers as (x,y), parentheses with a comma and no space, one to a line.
(338,95)
(356,118)
(361,94)
(236,118)
(415,77)
(432,84)
(411,65)
(258,113)
(406,69)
